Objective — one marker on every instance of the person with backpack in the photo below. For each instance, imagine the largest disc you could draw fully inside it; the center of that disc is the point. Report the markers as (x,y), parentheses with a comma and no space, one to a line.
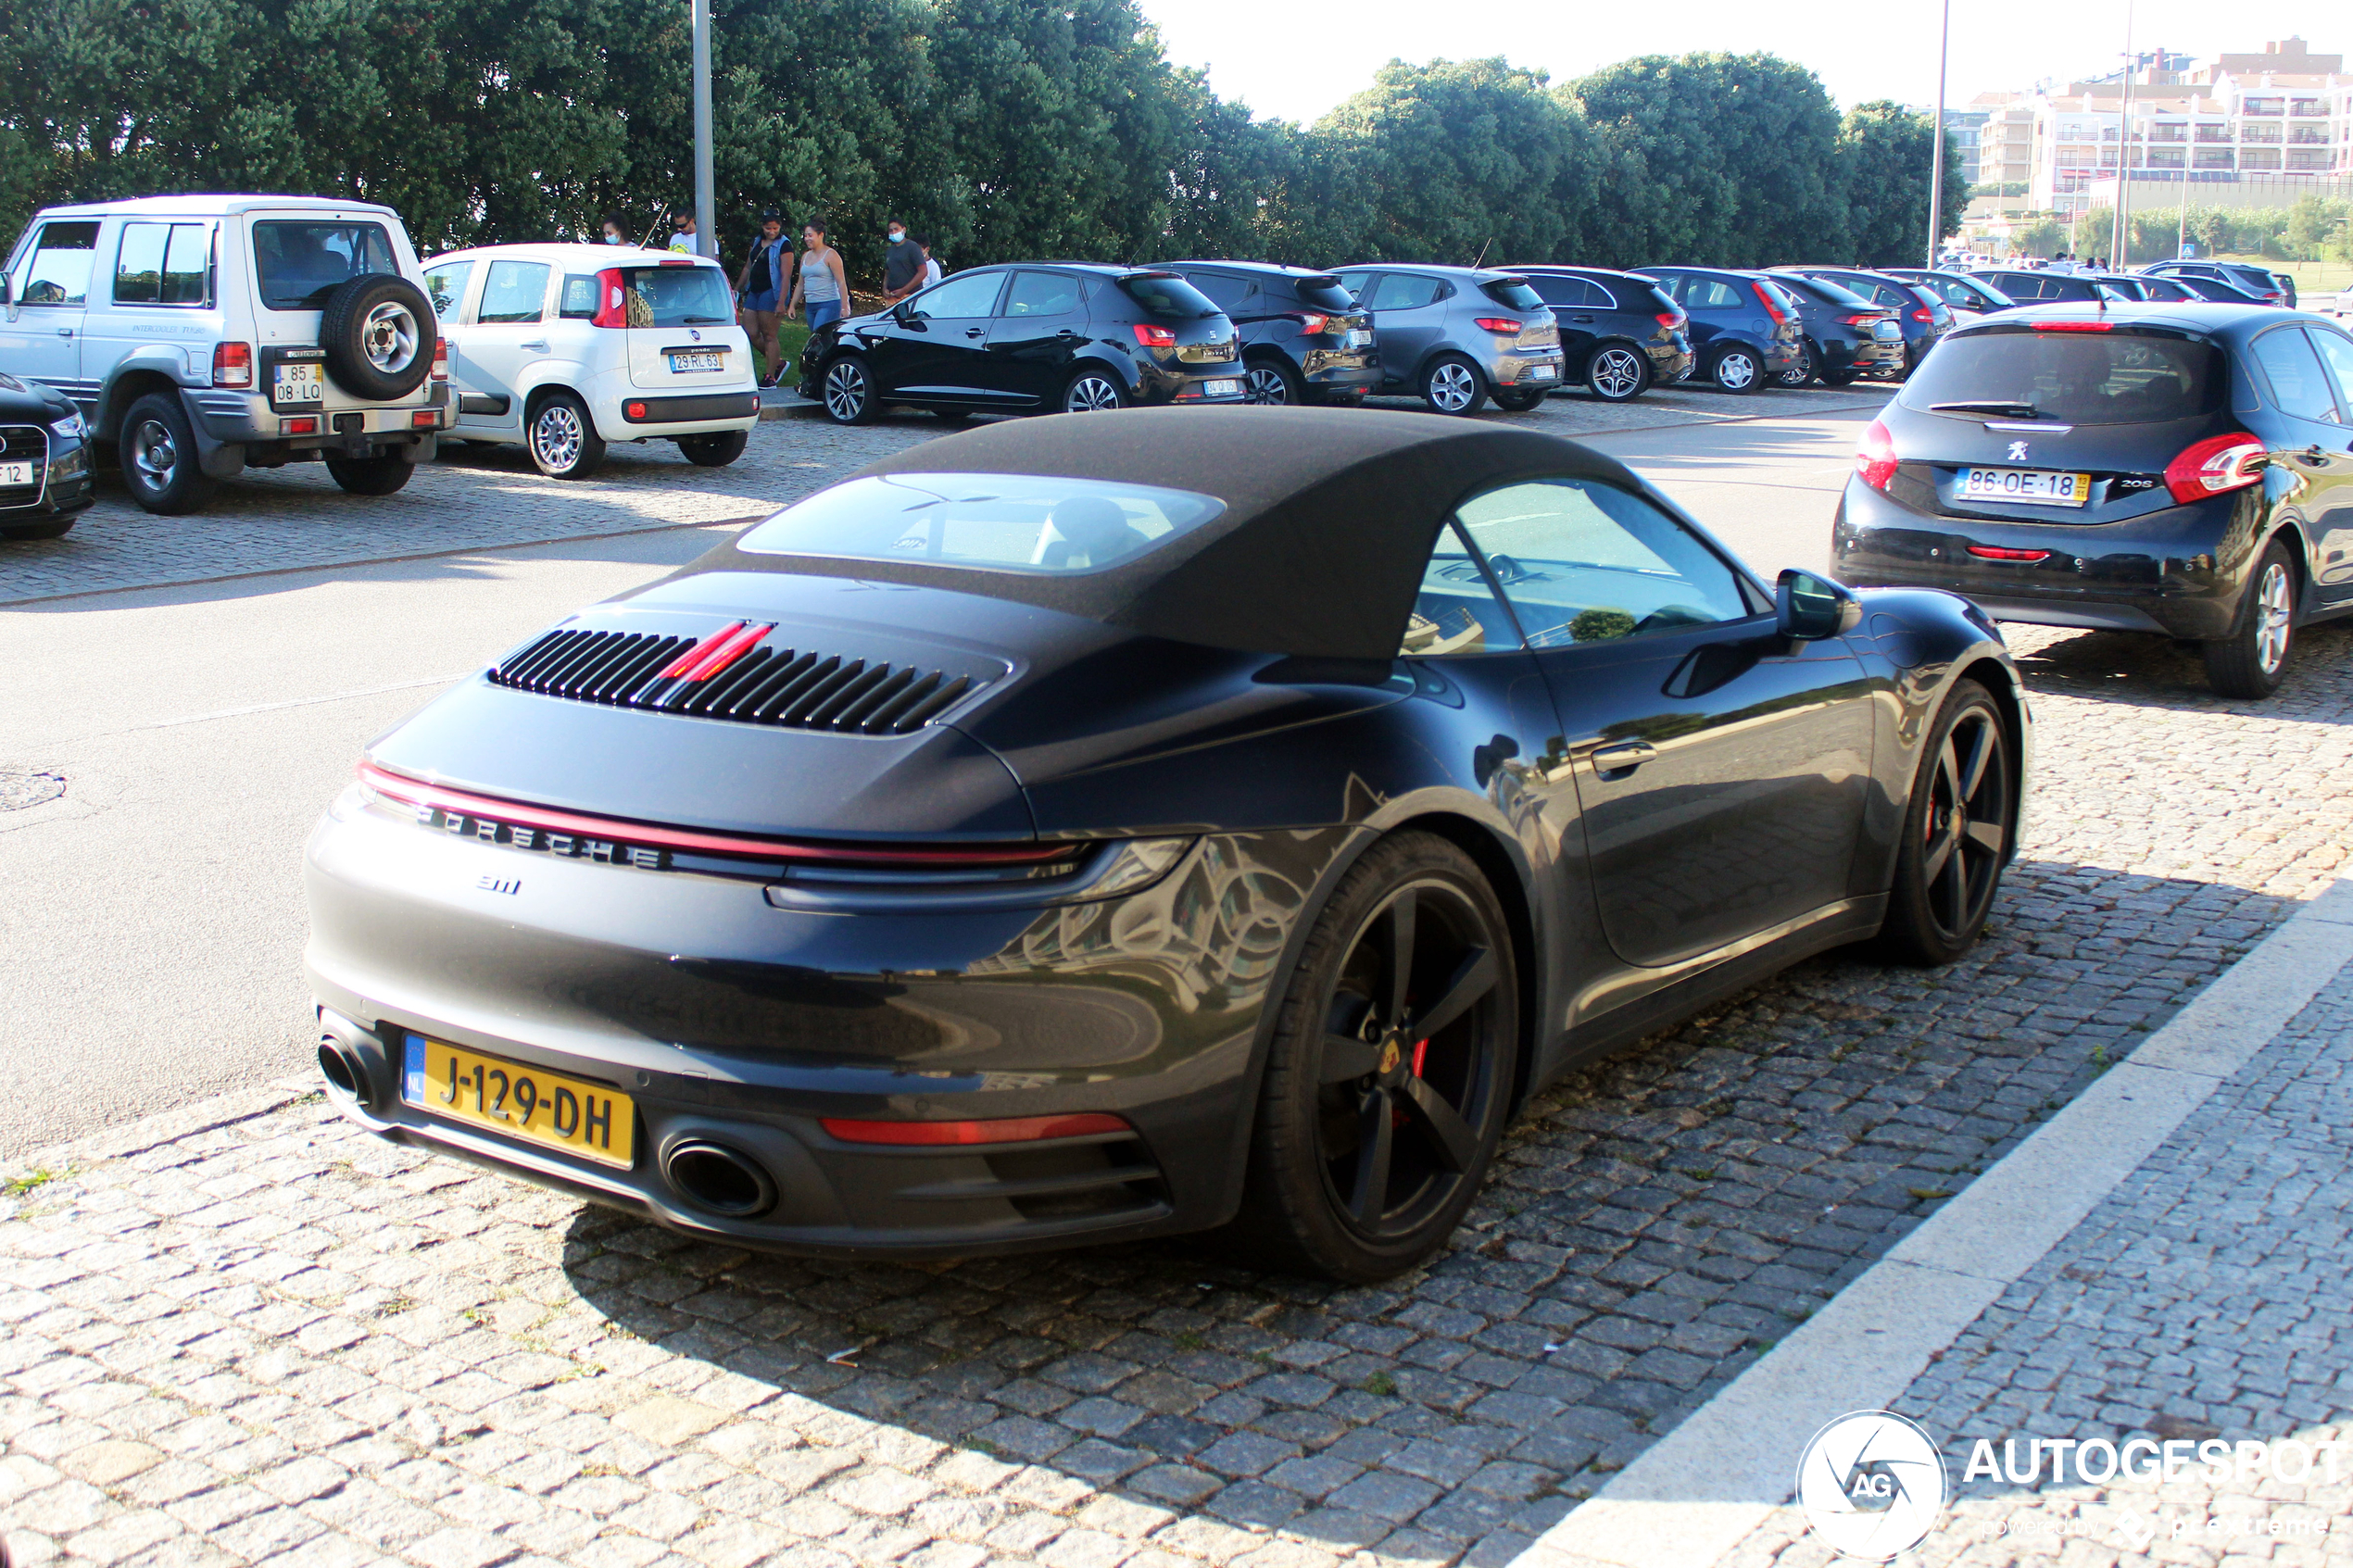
(761,288)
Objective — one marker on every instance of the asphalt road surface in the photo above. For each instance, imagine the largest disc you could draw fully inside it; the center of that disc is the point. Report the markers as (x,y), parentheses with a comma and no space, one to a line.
(151,914)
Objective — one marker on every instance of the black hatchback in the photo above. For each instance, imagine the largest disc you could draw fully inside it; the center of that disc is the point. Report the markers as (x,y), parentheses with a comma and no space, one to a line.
(1620,333)
(1305,338)
(2043,286)
(1847,335)
(1924,318)
(2184,470)
(1024,337)
(1745,330)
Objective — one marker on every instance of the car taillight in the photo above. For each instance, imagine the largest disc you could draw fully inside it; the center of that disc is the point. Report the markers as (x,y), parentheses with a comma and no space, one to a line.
(2071,326)
(2214,465)
(1924,314)
(613,299)
(1995,552)
(1311,323)
(1671,319)
(1875,458)
(1766,300)
(1154,337)
(233,364)
(1011,1129)
(1504,324)
(1857,321)
(440,357)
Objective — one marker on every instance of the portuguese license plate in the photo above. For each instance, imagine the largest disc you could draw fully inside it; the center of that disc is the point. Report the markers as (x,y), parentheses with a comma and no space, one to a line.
(1221,389)
(2044,486)
(531,1103)
(1360,337)
(1886,331)
(16,474)
(1543,373)
(699,359)
(299,383)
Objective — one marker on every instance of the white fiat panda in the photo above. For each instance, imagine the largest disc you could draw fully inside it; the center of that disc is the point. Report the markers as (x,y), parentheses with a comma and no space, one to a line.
(566,347)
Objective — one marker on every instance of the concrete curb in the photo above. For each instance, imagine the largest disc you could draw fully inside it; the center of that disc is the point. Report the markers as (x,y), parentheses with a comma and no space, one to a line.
(165,1126)
(1694,1495)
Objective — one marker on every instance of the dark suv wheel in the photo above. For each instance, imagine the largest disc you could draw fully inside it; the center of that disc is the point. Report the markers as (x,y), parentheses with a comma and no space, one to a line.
(378,332)
(158,456)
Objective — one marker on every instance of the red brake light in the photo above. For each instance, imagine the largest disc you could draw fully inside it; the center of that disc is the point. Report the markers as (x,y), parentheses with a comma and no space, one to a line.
(1995,552)
(613,299)
(1923,314)
(1012,1129)
(1856,320)
(2217,464)
(233,364)
(1311,323)
(1505,324)
(1766,299)
(1671,319)
(1154,337)
(1875,458)
(2071,326)
(440,357)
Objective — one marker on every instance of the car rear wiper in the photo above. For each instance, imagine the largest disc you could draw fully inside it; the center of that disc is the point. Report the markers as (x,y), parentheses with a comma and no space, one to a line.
(703,320)
(2015,410)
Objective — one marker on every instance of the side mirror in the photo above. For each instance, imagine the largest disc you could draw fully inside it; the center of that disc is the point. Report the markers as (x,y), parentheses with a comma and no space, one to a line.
(1807,608)
(902,314)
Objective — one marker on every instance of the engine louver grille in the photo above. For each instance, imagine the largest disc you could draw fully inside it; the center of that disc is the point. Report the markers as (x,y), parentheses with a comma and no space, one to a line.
(791,689)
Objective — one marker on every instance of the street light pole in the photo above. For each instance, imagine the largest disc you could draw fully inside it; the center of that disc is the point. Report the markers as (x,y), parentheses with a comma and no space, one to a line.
(1936,161)
(706,235)
(2116,250)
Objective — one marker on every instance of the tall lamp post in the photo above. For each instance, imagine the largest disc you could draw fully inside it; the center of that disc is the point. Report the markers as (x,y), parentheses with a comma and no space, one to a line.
(706,237)
(2116,250)
(1936,160)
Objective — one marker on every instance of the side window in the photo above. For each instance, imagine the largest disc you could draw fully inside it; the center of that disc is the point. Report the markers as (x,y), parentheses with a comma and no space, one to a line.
(1225,291)
(1403,291)
(1593,296)
(1456,611)
(187,265)
(966,294)
(1712,294)
(1042,293)
(59,272)
(2298,385)
(1354,284)
(445,286)
(515,290)
(1581,561)
(138,264)
(578,302)
(2336,351)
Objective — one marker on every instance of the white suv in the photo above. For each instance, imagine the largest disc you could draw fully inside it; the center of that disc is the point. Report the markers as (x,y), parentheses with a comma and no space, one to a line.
(564,347)
(203,334)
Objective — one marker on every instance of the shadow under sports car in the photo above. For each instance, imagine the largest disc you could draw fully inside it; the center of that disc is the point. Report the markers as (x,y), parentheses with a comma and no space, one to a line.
(1070,832)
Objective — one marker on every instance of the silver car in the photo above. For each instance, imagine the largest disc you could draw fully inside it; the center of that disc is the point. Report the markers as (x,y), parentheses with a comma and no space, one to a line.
(1455,336)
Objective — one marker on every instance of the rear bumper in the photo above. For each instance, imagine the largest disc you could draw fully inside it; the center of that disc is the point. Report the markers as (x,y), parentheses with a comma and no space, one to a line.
(233,428)
(701,408)
(2181,572)
(1523,367)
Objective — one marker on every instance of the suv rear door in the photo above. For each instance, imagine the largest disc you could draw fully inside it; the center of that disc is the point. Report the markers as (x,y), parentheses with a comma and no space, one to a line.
(48,301)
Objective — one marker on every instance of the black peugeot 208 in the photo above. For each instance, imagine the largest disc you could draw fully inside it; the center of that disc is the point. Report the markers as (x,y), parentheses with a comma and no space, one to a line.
(2184,470)
(1028,337)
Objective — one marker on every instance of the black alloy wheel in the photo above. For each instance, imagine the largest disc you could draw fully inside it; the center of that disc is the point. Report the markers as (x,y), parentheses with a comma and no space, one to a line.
(2253,661)
(715,450)
(157,450)
(379,475)
(1390,1077)
(847,392)
(1802,373)
(1736,370)
(1618,373)
(1273,383)
(1957,833)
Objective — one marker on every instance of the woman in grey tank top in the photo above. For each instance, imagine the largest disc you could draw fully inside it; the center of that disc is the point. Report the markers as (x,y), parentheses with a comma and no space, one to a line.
(820,283)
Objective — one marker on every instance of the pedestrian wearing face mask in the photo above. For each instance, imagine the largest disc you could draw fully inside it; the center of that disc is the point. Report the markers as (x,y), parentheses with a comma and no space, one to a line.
(614,233)
(761,288)
(902,265)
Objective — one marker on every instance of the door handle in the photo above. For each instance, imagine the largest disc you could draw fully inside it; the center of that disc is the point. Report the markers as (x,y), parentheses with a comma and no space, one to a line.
(1065,333)
(540,346)
(974,331)
(1616,761)
(65,332)
(1580,317)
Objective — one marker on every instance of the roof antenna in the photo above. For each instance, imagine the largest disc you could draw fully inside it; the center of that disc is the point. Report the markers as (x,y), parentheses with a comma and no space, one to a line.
(1482,252)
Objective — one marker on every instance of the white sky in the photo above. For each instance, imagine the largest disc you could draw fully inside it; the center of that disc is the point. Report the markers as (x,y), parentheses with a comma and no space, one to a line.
(1295,60)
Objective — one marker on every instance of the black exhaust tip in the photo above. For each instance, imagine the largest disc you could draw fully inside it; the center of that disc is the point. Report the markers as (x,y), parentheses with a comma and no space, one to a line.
(721,1180)
(345,1074)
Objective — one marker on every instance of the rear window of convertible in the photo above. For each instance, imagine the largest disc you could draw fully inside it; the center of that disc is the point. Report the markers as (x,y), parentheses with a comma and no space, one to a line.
(2119,377)
(1001,522)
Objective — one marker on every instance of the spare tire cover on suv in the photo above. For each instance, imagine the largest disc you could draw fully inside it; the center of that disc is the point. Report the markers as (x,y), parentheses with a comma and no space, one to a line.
(378,331)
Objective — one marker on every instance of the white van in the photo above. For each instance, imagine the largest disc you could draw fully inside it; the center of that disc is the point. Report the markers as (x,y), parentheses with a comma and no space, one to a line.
(203,334)
(563,348)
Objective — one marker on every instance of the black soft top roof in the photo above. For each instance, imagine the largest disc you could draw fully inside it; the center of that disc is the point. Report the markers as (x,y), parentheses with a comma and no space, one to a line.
(1328,522)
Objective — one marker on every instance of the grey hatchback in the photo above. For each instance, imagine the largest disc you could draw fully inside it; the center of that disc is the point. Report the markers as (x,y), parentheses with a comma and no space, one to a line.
(1457,336)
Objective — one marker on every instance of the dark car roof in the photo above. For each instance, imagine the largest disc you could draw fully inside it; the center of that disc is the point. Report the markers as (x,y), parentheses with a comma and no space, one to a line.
(1263,268)
(1101,269)
(1476,274)
(2215,318)
(1329,518)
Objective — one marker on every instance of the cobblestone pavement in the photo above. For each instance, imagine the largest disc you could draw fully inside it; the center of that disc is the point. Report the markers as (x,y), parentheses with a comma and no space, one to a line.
(479,498)
(2203,1299)
(279,1340)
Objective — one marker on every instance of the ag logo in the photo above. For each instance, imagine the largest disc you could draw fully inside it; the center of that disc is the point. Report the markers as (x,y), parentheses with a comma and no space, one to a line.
(2018,451)
(1870,1483)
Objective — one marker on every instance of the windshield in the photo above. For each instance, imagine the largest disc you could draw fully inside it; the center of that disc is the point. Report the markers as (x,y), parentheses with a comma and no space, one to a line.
(1166,295)
(1325,294)
(677,297)
(1512,294)
(2085,378)
(1005,522)
(299,264)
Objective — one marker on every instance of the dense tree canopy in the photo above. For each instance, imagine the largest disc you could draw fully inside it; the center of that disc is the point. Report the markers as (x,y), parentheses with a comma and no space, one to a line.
(1004,128)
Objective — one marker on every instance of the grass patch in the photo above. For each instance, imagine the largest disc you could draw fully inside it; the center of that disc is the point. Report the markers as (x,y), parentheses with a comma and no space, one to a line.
(396,1306)
(1190,1339)
(33,1181)
(1380,1383)
(1929,1195)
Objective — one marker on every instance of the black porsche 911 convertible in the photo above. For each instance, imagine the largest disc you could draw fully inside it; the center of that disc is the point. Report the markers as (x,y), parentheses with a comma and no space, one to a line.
(1085,829)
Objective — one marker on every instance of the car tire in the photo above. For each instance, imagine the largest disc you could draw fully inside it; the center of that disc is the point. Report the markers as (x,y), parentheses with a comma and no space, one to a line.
(2253,661)
(846,392)
(715,450)
(1801,374)
(1272,382)
(1093,392)
(378,332)
(1957,833)
(1369,1144)
(30,531)
(1519,399)
(1839,378)
(1451,384)
(1736,369)
(379,475)
(158,451)
(1617,372)
(561,438)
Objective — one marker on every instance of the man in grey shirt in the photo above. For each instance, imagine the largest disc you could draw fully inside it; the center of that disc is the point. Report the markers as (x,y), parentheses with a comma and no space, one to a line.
(902,265)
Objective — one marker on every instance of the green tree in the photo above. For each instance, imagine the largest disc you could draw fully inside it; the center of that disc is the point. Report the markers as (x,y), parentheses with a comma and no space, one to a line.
(1887,154)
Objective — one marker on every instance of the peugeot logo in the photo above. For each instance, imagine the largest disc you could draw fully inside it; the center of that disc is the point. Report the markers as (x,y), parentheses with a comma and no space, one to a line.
(2018,451)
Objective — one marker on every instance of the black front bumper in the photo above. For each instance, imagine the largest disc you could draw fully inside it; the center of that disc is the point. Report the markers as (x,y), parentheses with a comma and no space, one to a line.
(2182,571)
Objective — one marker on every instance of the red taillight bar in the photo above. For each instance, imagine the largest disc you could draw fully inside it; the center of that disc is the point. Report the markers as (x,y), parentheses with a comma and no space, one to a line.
(2071,326)
(1012,1129)
(1995,552)
(415,792)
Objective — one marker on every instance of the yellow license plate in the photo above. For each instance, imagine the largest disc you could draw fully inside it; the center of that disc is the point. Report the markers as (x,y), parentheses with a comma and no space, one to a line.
(532,1103)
